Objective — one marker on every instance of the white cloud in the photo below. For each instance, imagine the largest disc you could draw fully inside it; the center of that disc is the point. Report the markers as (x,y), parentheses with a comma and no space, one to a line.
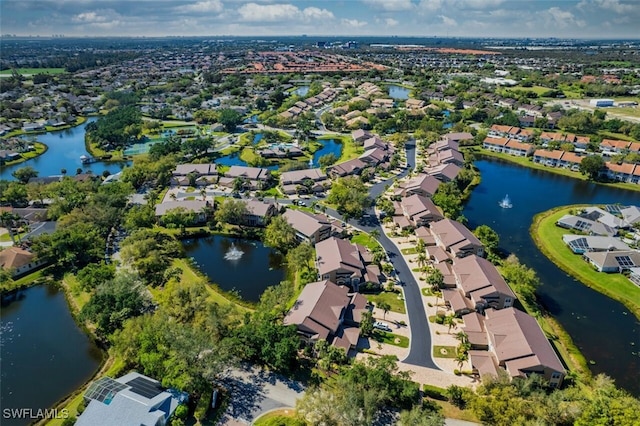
(617,7)
(558,18)
(215,6)
(353,23)
(449,22)
(390,5)
(430,5)
(253,12)
(390,22)
(478,4)
(88,17)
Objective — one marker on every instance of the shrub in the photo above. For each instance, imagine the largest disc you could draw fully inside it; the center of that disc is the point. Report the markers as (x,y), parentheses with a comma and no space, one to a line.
(435,392)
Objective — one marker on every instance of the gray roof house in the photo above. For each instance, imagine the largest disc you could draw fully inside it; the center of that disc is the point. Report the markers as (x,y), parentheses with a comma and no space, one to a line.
(582,224)
(581,244)
(309,227)
(327,311)
(455,238)
(613,261)
(345,263)
(132,399)
(422,184)
(202,209)
(631,214)
(420,210)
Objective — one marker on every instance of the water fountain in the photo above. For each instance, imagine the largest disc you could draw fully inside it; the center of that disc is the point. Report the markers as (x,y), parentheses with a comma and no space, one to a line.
(233,253)
(506,202)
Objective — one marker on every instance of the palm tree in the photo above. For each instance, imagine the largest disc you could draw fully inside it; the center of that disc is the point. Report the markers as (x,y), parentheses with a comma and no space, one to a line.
(203,192)
(461,358)
(450,320)
(422,261)
(375,234)
(385,308)
(8,220)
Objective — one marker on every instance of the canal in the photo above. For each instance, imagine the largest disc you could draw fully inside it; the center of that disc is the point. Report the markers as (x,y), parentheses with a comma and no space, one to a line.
(604,330)
(64,150)
(45,355)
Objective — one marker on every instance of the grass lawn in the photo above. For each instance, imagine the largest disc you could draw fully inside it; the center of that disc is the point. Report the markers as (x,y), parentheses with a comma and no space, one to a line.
(397,305)
(390,339)
(450,411)
(78,297)
(248,155)
(548,238)
(444,351)
(282,417)
(349,148)
(40,149)
(365,239)
(538,90)
(32,71)
(632,112)
(410,250)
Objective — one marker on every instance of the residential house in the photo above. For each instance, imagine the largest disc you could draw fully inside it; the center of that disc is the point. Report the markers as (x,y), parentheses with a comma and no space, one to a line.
(592,243)
(495,144)
(347,168)
(455,238)
(345,263)
(517,345)
(420,210)
(201,209)
(375,157)
(204,174)
(253,177)
(583,224)
(327,311)
(613,261)
(19,261)
(625,172)
(481,283)
(456,138)
(422,184)
(258,212)
(359,136)
(128,400)
(610,147)
(548,158)
(447,156)
(376,142)
(309,227)
(444,172)
(631,214)
(308,180)
(414,103)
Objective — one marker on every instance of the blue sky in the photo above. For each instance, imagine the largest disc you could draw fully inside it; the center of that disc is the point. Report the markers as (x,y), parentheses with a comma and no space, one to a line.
(465,18)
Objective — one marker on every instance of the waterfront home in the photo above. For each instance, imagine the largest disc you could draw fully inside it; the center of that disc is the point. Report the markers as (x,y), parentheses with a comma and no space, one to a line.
(201,209)
(420,210)
(253,177)
(515,344)
(281,152)
(455,238)
(359,136)
(314,180)
(258,212)
(631,214)
(345,263)
(375,157)
(604,217)
(478,281)
(510,132)
(548,158)
(625,172)
(444,172)
(327,311)
(508,146)
(130,399)
(422,184)
(586,225)
(350,167)
(310,227)
(580,244)
(447,156)
(613,261)
(19,261)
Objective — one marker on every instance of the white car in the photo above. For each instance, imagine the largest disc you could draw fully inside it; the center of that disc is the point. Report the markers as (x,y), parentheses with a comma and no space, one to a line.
(381,326)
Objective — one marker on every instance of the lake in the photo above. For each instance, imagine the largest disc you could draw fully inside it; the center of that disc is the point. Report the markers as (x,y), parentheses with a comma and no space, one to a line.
(257,268)
(301,91)
(329,146)
(399,92)
(604,330)
(45,355)
(65,149)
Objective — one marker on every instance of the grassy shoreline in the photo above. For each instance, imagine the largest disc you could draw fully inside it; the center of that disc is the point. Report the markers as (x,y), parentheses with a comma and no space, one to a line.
(40,148)
(548,238)
(525,162)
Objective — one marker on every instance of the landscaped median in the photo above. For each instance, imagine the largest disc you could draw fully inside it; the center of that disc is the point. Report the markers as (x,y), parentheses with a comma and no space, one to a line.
(548,239)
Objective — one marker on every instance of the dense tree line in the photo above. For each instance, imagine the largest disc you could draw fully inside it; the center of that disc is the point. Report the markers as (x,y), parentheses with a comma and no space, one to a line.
(117,129)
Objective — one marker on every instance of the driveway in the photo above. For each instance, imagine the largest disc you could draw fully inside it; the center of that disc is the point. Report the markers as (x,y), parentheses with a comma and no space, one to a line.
(253,392)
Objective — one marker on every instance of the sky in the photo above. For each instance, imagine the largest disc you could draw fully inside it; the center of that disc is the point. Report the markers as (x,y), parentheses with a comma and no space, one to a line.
(423,18)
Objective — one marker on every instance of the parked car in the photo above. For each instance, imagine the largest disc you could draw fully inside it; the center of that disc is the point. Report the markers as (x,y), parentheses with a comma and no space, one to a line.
(381,326)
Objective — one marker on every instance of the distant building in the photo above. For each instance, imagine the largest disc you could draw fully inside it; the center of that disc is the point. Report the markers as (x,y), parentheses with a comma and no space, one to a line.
(601,102)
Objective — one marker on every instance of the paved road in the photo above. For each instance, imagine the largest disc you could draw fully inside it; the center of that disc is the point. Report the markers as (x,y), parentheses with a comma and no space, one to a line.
(254,391)
(420,349)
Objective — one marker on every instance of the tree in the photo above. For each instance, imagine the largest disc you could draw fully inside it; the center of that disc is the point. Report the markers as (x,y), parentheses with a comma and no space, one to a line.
(327,160)
(385,307)
(350,196)
(449,198)
(280,235)
(232,211)
(450,320)
(230,119)
(458,396)
(435,279)
(420,416)
(24,174)
(95,274)
(150,253)
(366,323)
(488,237)
(591,166)
(522,279)
(8,220)
(197,146)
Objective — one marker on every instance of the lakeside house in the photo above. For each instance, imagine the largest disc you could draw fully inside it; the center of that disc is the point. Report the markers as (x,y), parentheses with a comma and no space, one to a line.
(201,209)
(130,399)
(258,212)
(454,238)
(19,261)
(422,184)
(253,177)
(311,227)
(420,210)
(508,146)
(304,181)
(201,174)
(327,311)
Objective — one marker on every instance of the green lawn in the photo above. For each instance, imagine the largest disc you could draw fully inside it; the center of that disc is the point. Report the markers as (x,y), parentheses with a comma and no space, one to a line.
(281,417)
(410,250)
(444,351)
(397,305)
(365,239)
(390,339)
(632,112)
(349,149)
(548,238)
(32,71)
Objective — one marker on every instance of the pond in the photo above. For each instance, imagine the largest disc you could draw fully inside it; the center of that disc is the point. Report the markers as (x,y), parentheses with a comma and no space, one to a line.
(604,330)
(399,92)
(65,149)
(234,264)
(329,146)
(45,355)
(301,91)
